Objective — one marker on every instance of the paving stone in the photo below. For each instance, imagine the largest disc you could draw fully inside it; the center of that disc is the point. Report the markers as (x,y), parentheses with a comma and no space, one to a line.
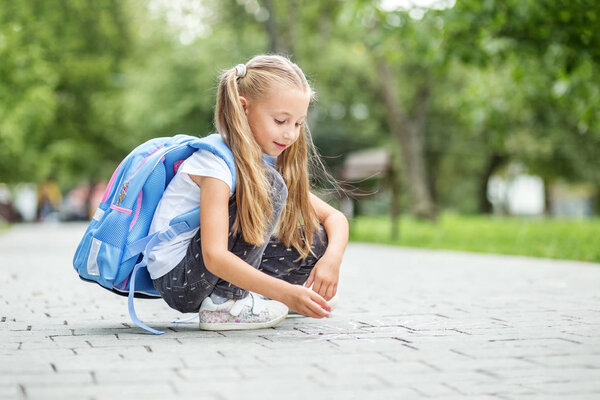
(30,379)
(86,391)
(425,324)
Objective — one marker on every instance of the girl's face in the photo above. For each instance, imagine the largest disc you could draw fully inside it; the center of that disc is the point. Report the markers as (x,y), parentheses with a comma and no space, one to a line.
(276,120)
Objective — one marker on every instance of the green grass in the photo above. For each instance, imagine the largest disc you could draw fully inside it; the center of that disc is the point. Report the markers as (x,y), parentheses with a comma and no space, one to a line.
(536,237)
(3,227)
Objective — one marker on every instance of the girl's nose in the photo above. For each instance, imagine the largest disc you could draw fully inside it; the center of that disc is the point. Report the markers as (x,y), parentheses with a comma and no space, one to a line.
(288,135)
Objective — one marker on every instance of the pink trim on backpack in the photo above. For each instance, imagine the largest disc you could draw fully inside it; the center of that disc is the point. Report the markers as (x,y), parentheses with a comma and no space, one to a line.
(176,165)
(111,182)
(146,158)
(120,209)
(124,283)
(137,211)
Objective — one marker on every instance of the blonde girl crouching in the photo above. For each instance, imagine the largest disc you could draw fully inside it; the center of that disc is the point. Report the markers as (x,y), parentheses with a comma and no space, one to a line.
(273,237)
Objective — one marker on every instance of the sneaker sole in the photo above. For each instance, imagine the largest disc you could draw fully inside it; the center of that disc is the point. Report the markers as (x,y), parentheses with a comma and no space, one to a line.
(233,326)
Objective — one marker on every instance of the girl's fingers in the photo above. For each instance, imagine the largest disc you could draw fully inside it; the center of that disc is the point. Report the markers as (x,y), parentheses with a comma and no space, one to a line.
(329,293)
(318,312)
(317,287)
(324,290)
(320,301)
(310,279)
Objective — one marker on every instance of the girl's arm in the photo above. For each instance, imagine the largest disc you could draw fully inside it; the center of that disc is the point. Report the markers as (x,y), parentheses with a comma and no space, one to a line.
(214,225)
(325,275)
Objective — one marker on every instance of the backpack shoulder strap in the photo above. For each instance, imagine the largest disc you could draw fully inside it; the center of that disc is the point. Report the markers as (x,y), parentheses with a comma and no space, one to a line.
(216,145)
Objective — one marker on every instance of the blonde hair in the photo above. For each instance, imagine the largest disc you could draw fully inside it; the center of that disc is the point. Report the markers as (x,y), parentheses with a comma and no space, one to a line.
(298,222)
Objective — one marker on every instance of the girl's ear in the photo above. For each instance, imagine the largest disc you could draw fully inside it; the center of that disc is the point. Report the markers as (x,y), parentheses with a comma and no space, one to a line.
(244,104)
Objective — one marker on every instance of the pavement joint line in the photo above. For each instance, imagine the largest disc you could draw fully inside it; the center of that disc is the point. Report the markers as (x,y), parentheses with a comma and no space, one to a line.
(22,389)
(462,354)
(433,367)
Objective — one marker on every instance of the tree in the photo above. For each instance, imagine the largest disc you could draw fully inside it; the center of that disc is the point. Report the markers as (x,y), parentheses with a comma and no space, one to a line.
(404,54)
(61,77)
(552,53)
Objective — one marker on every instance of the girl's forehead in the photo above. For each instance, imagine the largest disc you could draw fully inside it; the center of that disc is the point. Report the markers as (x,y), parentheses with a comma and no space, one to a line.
(286,100)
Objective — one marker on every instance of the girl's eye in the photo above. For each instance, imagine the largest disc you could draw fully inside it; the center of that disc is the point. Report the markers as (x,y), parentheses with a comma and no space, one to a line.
(279,122)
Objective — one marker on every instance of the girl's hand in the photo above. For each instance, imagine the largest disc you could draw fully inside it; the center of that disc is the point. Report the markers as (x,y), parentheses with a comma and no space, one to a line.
(305,301)
(324,277)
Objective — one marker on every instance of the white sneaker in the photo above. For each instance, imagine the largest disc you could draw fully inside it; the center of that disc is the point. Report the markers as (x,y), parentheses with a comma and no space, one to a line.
(251,312)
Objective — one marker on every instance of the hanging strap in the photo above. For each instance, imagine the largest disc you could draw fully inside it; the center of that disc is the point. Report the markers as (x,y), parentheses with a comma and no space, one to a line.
(179,225)
(132,313)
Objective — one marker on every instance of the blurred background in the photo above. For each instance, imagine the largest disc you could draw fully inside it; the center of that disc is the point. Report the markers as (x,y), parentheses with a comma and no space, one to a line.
(469,125)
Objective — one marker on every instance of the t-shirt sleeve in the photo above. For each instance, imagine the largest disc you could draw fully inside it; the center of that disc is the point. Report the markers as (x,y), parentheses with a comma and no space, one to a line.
(205,163)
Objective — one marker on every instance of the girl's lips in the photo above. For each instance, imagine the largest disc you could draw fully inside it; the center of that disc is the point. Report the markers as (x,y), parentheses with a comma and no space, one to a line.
(280,146)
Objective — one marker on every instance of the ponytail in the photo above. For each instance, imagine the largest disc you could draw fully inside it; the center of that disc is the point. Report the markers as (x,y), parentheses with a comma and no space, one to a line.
(252,193)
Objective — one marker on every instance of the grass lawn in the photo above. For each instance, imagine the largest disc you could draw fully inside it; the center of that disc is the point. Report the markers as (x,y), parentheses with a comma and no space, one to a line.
(571,239)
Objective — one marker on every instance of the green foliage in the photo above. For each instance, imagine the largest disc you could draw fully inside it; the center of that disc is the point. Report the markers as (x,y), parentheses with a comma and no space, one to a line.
(170,86)
(534,26)
(549,238)
(27,103)
(60,87)
(548,56)
(82,83)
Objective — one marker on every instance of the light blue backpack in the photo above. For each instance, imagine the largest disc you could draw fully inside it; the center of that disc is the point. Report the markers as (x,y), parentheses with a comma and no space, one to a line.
(114,248)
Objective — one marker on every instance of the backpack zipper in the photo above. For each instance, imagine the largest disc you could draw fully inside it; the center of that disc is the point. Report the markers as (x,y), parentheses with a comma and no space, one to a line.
(123,191)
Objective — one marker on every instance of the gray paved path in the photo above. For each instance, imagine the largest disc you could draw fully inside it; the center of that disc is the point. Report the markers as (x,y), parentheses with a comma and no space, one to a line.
(410,324)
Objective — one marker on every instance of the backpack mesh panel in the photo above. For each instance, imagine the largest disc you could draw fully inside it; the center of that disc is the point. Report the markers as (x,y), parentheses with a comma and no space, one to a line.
(113,228)
(151,193)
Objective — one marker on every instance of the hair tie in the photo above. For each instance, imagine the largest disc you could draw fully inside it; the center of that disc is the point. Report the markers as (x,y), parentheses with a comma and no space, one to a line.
(240,70)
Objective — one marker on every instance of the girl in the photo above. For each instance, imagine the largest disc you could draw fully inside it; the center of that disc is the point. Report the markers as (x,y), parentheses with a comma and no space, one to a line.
(237,251)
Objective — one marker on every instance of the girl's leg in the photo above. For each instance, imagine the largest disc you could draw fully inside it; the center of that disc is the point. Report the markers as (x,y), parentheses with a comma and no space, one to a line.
(282,262)
(190,282)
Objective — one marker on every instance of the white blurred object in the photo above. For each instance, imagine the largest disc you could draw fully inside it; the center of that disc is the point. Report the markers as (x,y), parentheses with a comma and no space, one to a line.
(526,195)
(5,195)
(25,201)
(515,192)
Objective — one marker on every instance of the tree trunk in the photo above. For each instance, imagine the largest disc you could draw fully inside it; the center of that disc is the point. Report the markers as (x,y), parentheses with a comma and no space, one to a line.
(432,159)
(281,41)
(292,17)
(409,134)
(395,200)
(271,27)
(485,206)
(547,197)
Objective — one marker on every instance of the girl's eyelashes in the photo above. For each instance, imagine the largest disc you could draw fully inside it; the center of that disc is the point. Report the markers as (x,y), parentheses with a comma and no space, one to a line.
(278,122)
(283,122)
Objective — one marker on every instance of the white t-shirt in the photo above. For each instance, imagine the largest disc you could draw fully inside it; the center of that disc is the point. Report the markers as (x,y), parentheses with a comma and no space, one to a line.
(181,195)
